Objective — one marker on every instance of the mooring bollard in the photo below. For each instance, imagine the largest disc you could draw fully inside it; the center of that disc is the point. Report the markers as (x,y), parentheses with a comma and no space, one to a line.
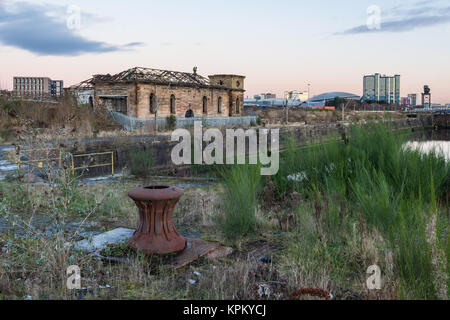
(156,233)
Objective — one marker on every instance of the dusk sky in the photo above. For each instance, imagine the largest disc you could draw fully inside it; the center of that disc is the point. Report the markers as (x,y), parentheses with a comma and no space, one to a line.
(278,45)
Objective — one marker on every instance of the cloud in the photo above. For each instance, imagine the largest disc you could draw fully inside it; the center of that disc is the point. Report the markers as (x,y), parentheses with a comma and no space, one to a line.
(400,19)
(36,28)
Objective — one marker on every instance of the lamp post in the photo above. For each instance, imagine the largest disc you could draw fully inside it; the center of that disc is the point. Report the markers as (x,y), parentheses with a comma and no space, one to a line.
(286,96)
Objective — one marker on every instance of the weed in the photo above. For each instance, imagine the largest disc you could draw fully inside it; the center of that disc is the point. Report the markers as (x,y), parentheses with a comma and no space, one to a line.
(142,163)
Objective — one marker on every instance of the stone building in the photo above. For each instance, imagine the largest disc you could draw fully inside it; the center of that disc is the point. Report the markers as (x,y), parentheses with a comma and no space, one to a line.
(83,92)
(137,92)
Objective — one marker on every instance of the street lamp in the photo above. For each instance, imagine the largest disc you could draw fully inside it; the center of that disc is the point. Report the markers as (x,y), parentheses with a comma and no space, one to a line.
(287,94)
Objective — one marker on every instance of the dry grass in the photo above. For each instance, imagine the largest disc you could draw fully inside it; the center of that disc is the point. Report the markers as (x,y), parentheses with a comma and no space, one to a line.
(46,120)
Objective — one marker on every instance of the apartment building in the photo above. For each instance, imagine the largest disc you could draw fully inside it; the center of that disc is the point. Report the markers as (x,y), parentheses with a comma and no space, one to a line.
(37,87)
(382,88)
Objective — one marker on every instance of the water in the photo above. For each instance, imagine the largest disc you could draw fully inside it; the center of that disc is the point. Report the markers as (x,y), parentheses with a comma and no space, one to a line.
(7,168)
(428,141)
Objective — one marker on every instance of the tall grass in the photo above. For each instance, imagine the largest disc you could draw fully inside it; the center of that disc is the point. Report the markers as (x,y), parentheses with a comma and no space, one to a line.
(395,190)
(142,163)
(242,184)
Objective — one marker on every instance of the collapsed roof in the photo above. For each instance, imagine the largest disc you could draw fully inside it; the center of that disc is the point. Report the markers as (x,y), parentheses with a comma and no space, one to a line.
(155,76)
(86,84)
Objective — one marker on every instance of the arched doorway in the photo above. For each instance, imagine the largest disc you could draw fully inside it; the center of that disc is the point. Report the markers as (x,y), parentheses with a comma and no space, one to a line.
(189,114)
(91,102)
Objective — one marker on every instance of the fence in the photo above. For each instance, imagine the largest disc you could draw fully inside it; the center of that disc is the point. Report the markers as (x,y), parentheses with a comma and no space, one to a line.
(133,124)
(41,159)
(45,157)
(95,165)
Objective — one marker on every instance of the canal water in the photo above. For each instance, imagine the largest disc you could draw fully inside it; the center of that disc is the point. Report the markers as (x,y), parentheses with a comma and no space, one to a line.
(428,141)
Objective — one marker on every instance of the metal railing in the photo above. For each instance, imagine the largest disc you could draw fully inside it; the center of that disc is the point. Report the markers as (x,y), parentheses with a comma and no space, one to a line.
(59,158)
(94,165)
(39,162)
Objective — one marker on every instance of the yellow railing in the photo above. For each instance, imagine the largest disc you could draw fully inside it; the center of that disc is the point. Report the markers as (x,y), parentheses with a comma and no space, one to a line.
(40,162)
(48,159)
(95,165)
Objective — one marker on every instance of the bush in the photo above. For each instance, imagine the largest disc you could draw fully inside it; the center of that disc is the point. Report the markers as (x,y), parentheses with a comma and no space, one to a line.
(142,163)
(171,123)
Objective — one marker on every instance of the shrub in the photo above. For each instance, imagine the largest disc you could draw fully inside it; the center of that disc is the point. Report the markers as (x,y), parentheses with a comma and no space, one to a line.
(142,163)
(258,121)
(171,123)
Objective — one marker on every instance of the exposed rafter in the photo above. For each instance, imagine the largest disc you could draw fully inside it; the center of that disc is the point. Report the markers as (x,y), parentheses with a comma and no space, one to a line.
(86,84)
(156,76)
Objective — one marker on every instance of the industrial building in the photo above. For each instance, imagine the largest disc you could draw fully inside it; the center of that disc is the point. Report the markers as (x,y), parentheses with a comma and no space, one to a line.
(412,99)
(37,87)
(426,97)
(144,92)
(322,99)
(382,88)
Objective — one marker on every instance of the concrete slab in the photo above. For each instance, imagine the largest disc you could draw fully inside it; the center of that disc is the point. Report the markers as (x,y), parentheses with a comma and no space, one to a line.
(101,241)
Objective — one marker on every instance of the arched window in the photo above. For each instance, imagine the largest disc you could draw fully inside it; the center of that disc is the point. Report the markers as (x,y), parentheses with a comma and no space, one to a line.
(205,105)
(172,104)
(219,105)
(189,114)
(238,106)
(152,103)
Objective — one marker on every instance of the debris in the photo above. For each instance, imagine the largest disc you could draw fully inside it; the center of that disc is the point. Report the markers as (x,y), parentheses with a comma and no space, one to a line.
(105,287)
(315,292)
(220,252)
(101,241)
(264,290)
(192,281)
(32,179)
(28,298)
(195,248)
(298,177)
(265,259)
(198,274)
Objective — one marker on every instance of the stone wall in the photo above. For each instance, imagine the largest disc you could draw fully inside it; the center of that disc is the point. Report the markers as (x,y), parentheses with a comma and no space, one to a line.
(138,99)
(161,146)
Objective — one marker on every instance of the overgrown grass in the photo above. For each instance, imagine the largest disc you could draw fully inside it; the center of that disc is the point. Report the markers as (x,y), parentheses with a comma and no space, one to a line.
(242,184)
(396,191)
(63,116)
(142,163)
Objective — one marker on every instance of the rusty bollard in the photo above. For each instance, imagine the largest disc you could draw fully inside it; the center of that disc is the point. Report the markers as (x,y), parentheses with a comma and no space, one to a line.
(156,233)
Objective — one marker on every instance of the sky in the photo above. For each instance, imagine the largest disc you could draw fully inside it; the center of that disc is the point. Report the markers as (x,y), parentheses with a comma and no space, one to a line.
(278,45)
